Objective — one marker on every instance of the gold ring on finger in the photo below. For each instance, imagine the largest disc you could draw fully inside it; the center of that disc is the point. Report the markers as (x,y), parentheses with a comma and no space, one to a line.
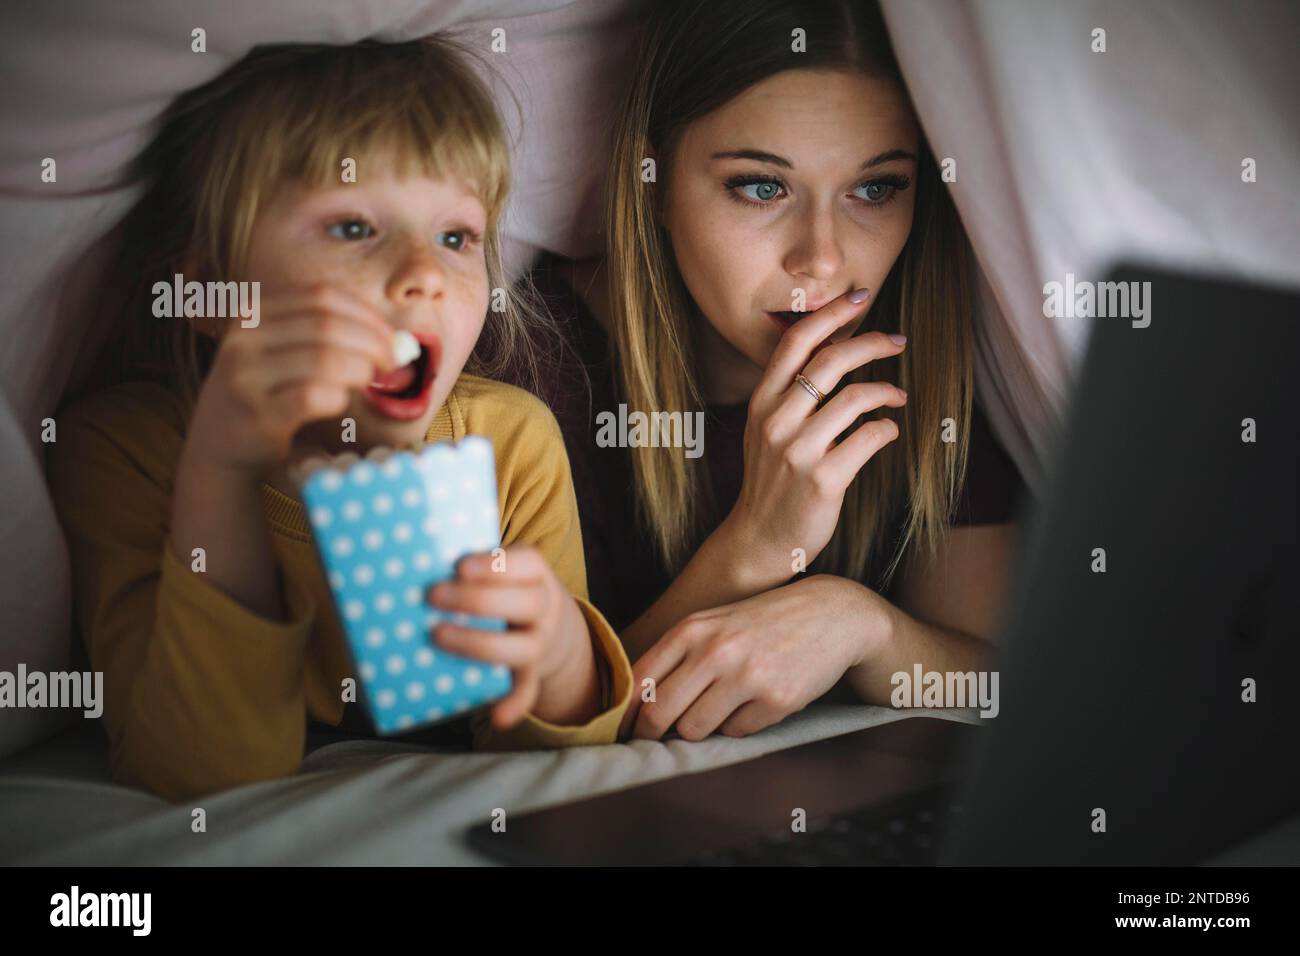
(810,388)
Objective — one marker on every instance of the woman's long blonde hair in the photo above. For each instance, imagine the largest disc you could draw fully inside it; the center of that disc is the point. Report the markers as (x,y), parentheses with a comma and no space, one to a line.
(692,59)
(290,112)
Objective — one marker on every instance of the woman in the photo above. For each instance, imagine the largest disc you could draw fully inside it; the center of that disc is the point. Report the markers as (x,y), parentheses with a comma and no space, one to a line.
(773,215)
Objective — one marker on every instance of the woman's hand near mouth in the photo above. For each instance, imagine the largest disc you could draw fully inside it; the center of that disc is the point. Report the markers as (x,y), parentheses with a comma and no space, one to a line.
(796,469)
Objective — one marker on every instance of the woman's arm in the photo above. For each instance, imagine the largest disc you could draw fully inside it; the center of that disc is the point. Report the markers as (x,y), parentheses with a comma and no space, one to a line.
(740,668)
(725,569)
(948,610)
(796,472)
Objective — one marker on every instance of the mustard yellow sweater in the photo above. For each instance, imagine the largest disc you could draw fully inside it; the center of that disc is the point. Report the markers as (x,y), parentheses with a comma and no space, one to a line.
(201,693)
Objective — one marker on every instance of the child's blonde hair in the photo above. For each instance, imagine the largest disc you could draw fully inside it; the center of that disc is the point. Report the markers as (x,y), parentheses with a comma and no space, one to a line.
(297,112)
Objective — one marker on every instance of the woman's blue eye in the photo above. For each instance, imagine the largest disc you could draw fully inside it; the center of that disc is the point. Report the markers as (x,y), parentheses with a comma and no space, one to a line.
(763,191)
(880,191)
(753,191)
(351,230)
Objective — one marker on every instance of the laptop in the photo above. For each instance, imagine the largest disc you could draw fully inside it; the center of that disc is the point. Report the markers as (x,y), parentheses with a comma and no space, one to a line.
(1146,711)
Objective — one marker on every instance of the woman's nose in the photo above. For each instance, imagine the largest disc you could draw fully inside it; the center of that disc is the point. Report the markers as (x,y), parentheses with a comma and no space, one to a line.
(418,274)
(814,248)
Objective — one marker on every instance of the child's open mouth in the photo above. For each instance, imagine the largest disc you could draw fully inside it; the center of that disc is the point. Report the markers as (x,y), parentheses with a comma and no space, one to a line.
(403,394)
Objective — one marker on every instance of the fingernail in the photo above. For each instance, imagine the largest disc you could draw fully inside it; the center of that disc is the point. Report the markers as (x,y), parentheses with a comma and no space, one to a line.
(859,295)
(897,339)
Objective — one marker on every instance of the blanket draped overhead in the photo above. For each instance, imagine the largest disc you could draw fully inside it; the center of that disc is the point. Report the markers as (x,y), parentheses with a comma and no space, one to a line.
(1067,158)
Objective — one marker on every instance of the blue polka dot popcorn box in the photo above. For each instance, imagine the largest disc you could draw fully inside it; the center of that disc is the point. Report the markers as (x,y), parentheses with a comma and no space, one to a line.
(388,527)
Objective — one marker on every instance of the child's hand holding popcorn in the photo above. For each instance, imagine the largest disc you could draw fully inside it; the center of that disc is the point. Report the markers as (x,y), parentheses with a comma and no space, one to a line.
(314,346)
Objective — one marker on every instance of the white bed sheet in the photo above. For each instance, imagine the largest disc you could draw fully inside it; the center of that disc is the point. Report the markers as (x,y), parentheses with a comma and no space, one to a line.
(374,803)
(365,802)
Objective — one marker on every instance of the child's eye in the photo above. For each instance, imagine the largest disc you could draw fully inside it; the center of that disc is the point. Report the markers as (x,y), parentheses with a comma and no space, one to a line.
(457,240)
(351,230)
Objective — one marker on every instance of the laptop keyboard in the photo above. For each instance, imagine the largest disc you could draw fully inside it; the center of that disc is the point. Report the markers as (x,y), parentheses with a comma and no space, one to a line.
(902,833)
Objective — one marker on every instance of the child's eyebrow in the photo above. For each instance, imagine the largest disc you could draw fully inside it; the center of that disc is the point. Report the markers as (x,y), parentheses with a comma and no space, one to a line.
(335,199)
(324,195)
(772,159)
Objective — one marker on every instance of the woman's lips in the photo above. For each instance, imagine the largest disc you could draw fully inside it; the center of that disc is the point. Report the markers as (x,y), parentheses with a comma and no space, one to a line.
(784,320)
(788,317)
(399,395)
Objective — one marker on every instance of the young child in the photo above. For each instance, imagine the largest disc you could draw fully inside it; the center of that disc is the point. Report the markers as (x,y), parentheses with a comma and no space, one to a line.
(360,187)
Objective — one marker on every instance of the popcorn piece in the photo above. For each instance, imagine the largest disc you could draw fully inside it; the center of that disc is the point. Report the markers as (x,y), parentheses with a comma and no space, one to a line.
(406,348)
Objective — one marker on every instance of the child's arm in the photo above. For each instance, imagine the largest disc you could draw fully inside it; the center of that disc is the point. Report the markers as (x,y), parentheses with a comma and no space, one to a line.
(587,685)
(220,511)
(202,693)
(203,676)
